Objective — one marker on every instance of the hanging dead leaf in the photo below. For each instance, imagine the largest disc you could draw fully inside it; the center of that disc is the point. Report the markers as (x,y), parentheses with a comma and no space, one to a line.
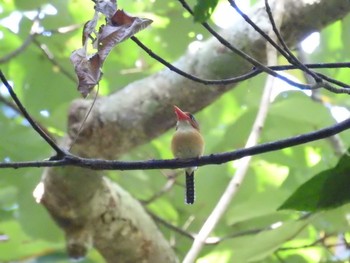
(121,28)
(87,69)
(121,18)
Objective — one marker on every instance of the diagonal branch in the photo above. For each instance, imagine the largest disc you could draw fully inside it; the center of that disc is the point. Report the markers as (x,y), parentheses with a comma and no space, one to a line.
(26,43)
(14,107)
(249,58)
(285,52)
(36,127)
(254,72)
(288,54)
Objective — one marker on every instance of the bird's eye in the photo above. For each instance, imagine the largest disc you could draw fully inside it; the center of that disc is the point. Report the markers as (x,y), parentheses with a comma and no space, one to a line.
(192,117)
(193,121)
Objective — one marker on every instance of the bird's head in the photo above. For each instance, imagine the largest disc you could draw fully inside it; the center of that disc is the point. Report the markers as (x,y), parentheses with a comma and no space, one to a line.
(185,118)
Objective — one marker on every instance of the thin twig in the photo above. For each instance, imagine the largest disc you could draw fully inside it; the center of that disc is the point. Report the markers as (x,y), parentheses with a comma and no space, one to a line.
(166,188)
(26,43)
(191,77)
(210,240)
(87,114)
(334,140)
(313,66)
(287,54)
(17,51)
(312,244)
(248,58)
(15,108)
(262,67)
(32,37)
(170,226)
(43,48)
(59,152)
(237,79)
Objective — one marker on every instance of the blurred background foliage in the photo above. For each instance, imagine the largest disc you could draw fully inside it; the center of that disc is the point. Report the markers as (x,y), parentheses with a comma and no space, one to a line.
(252,230)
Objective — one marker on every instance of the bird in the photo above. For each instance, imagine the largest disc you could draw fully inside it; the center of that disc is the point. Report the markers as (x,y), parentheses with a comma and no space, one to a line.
(187,142)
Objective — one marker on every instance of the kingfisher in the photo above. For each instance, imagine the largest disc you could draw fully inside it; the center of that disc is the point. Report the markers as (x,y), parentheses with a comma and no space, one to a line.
(187,142)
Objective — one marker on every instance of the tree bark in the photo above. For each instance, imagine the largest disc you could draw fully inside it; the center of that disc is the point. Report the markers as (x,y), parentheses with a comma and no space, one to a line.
(92,210)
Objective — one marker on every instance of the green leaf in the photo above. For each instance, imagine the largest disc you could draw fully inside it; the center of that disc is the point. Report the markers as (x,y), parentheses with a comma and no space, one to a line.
(257,206)
(19,245)
(33,216)
(260,246)
(326,190)
(29,5)
(204,9)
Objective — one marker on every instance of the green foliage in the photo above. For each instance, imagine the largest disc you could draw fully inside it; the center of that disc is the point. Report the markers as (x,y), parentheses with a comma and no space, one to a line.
(326,190)
(252,230)
(19,245)
(204,9)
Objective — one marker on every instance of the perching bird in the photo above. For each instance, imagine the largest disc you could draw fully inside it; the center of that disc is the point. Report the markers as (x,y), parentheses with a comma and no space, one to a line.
(187,142)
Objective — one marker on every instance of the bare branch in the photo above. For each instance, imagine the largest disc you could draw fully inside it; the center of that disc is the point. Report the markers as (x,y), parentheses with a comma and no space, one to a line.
(335,140)
(171,226)
(285,51)
(259,65)
(246,76)
(288,54)
(166,188)
(15,108)
(26,43)
(245,56)
(243,77)
(44,48)
(220,158)
(59,152)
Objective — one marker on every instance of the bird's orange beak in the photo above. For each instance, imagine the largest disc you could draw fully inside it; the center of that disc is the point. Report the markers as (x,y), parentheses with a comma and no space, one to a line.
(180,114)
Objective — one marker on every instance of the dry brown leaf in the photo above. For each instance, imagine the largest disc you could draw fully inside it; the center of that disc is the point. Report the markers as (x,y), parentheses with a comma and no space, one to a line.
(121,18)
(87,69)
(119,27)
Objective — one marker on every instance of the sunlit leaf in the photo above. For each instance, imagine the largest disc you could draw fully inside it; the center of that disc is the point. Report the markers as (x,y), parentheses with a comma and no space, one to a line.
(204,9)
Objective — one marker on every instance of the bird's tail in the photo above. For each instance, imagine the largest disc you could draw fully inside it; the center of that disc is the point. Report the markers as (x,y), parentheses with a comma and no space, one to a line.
(190,191)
